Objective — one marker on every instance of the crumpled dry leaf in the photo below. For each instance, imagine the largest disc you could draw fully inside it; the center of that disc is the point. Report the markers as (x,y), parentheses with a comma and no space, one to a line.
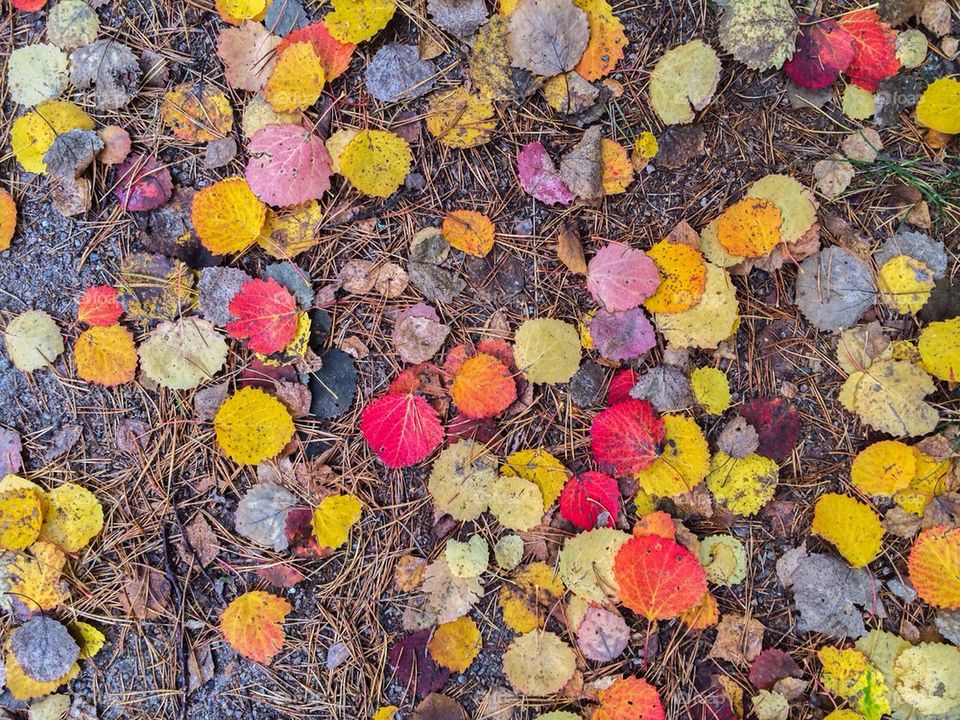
(581,169)
(739,639)
(738,438)
(261,515)
(666,387)
(72,153)
(458,17)
(112,67)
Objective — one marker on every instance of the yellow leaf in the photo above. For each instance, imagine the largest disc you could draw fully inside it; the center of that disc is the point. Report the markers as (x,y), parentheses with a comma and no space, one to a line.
(888,396)
(724,559)
(743,485)
(33,134)
(616,168)
(469,231)
(607,40)
(541,468)
(939,106)
(252,426)
(939,346)
(197,112)
(36,73)
(90,640)
(258,113)
(236,11)
(227,216)
(333,519)
(105,355)
(297,79)
(21,516)
(796,203)
(710,321)
(681,464)
(353,21)
(539,663)
(35,578)
(460,120)
(376,162)
(386,712)
(33,340)
(883,468)
(750,228)
(291,231)
(711,388)
(905,284)
(467,559)
(850,526)
(929,480)
(646,146)
(684,81)
(461,478)
(683,277)
(337,143)
(527,598)
(586,564)
(508,552)
(516,503)
(490,61)
(15,482)
(848,673)
(74,517)
(253,625)
(927,677)
(547,350)
(182,354)
(857,103)
(455,644)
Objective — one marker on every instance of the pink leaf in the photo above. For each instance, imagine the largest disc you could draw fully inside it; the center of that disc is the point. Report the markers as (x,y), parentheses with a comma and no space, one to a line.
(622,335)
(620,277)
(539,176)
(142,183)
(402,429)
(288,165)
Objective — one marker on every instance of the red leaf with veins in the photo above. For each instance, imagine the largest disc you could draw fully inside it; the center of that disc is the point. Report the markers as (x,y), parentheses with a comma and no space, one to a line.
(875,56)
(621,385)
(402,429)
(588,498)
(266,315)
(824,50)
(624,438)
(658,578)
(99,306)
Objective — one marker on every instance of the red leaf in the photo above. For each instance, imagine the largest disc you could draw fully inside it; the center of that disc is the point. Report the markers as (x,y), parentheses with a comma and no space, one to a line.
(99,306)
(777,424)
(621,385)
(260,375)
(413,665)
(142,183)
(824,50)
(266,315)
(624,438)
(461,427)
(772,665)
(334,55)
(658,578)
(288,165)
(588,498)
(402,429)
(875,56)
(299,531)
(28,5)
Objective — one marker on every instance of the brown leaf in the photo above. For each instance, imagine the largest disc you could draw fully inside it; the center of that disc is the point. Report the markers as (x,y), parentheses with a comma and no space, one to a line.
(145,594)
(581,169)
(739,640)
(570,250)
(439,707)
(408,573)
(203,543)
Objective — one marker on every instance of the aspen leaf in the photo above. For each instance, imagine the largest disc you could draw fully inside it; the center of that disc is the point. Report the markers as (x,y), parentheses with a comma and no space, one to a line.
(460,119)
(23,687)
(939,347)
(547,350)
(850,526)
(469,231)
(297,78)
(182,354)
(590,499)
(35,578)
(539,663)
(927,677)
(933,563)
(603,635)
(467,559)
(353,21)
(227,216)
(620,277)
(759,33)
(197,112)
(750,228)
(539,467)
(743,485)
(8,219)
(88,637)
(798,209)
(21,516)
(253,625)
(823,51)
(334,55)
(34,133)
(455,644)
(248,55)
(36,73)
(630,698)
(73,518)
(905,284)
(607,40)
(724,559)
(539,177)
(292,231)
(236,11)
(684,81)
(703,615)
(266,316)
(708,323)
(929,479)
(624,438)
(99,306)
(586,564)
(939,106)
(508,552)
(490,62)
(711,388)
(288,165)
(462,479)
(72,23)
(376,162)
(888,397)
(113,69)
(528,598)
(875,52)
(106,355)
(683,277)
(142,183)
(883,468)
(847,673)
(616,170)
(683,459)
(402,429)
(658,578)
(333,518)
(33,340)
(483,387)
(834,288)
(252,426)
(547,37)
(262,515)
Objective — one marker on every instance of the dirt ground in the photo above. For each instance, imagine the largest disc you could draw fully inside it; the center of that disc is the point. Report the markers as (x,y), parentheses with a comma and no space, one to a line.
(171,661)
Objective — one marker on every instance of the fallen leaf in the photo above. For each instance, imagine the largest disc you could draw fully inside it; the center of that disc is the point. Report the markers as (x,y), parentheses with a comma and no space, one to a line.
(684,81)
(253,625)
(547,37)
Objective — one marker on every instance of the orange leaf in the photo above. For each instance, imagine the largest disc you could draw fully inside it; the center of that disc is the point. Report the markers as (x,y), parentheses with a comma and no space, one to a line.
(630,698)
(657,523)
(658,578)
(483,387)
(469,231)
(705,614)
(750,228)
(253,625)
(106,355)
(334,55)
(8,219)
(934,565)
